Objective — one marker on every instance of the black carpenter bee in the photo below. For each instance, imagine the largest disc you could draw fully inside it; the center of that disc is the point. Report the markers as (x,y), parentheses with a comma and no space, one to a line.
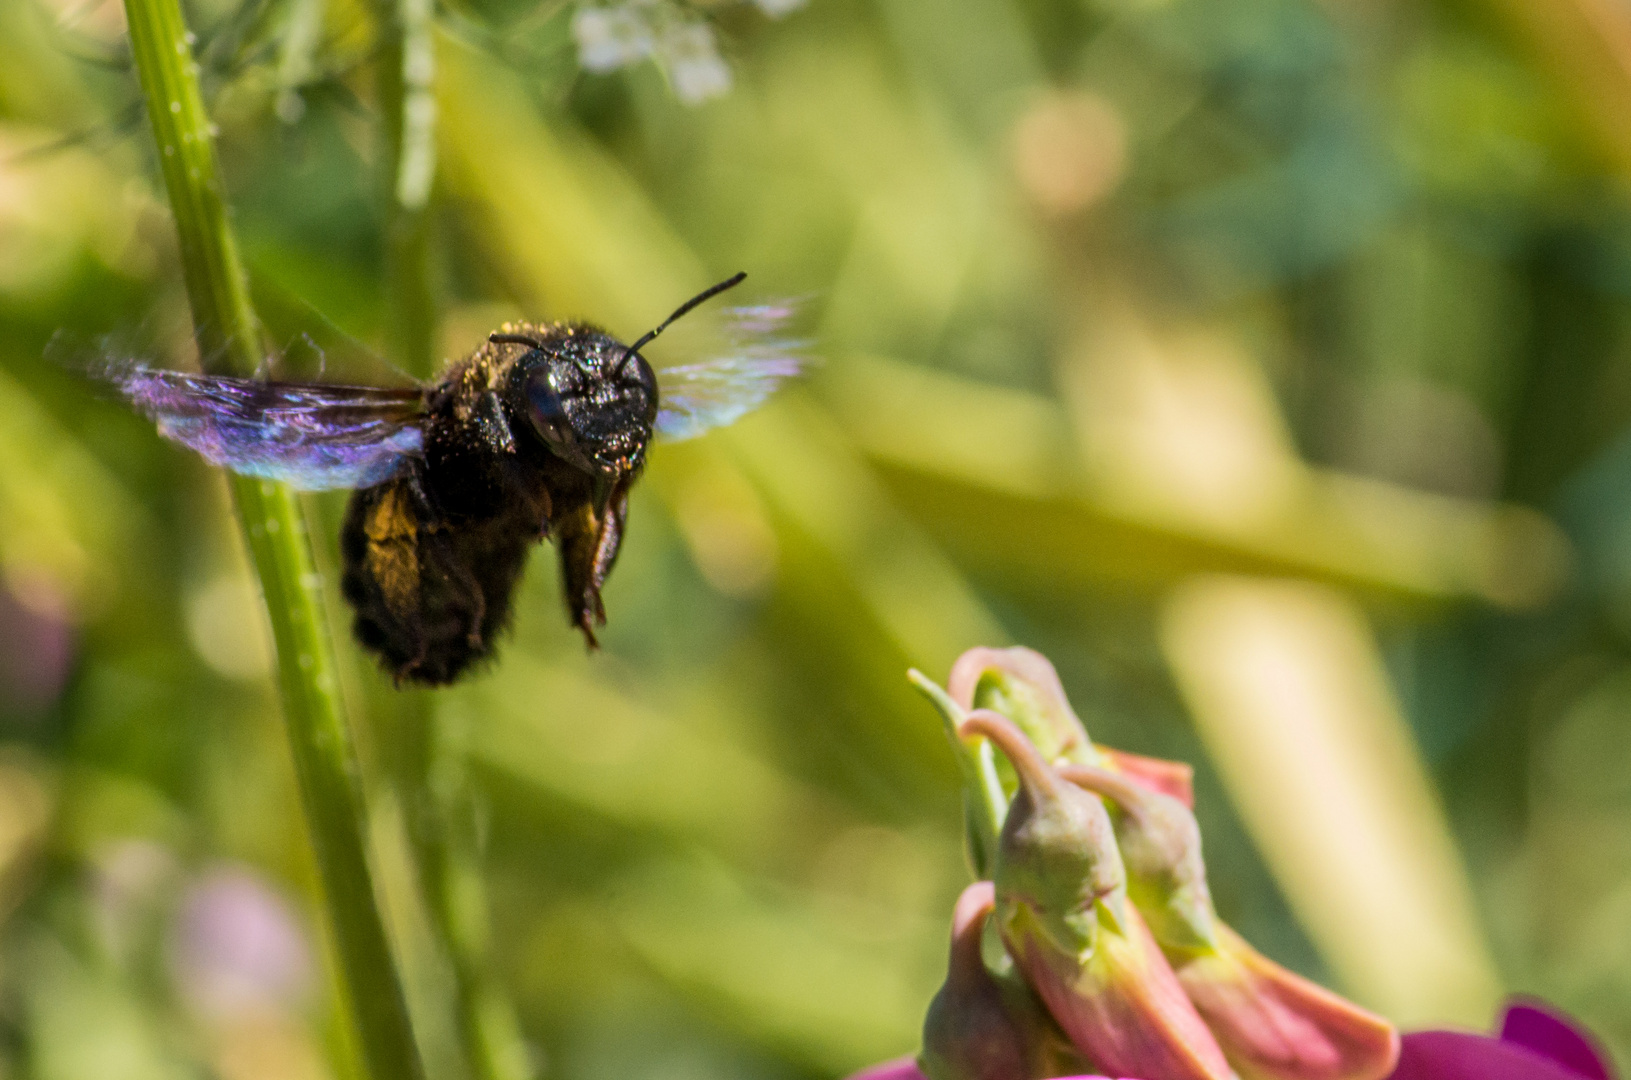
(539,433)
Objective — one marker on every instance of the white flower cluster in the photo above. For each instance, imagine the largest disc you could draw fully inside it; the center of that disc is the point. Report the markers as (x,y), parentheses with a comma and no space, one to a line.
(674,36)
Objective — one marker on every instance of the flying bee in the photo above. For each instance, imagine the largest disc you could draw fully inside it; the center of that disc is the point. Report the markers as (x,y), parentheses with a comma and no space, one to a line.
(537,434)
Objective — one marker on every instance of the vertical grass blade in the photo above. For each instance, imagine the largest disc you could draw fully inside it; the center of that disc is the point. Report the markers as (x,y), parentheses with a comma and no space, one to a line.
(275,530)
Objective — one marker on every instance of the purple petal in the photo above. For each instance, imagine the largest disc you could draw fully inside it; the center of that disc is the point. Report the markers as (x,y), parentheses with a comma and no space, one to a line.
(1454,1055)
(1552,1034)
(900,1069)
(906,1069)
(36,643)
(238,946)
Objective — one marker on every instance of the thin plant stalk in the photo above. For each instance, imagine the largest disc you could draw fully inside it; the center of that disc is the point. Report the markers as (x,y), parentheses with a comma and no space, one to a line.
(435,790)
(444,823)
(274,526)
(407,102)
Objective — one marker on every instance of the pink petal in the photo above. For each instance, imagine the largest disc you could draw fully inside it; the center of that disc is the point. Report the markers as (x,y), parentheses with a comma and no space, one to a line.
(1273,1023)
(1552,1034)
(1122,1005)
(900,1069)
(906,1069)
(1168,777)
(1454,1055)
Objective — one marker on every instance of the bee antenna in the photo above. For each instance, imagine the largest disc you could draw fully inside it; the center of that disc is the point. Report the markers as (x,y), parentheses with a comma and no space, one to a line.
(705,295)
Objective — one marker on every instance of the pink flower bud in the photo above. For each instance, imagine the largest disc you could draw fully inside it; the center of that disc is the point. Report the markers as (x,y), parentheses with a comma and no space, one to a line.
(1271,1023)
(1061,907)
(1161,847)
(1022,685)
(982,1026)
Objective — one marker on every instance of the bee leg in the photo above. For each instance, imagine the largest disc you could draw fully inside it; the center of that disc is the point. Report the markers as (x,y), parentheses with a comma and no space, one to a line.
(478,603)
(610,540)
(546,507)
(404,671)
(577,539)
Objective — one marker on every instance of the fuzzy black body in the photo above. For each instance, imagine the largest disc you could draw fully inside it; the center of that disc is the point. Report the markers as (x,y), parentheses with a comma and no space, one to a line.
(521,442)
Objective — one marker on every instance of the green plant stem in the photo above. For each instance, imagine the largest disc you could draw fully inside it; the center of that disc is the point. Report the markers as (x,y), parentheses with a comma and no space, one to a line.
(303,30)
(407,102)
(443,827)
(274,527)
(985,803)
(440,807)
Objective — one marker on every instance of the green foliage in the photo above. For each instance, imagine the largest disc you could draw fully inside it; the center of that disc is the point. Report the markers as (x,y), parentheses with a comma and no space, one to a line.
(1108,297)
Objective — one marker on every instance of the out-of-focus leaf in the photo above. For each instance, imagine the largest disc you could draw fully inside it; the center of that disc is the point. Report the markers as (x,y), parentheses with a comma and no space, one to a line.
(961,445)
(579,741)
(1291,698)
(828,989)
(61,513)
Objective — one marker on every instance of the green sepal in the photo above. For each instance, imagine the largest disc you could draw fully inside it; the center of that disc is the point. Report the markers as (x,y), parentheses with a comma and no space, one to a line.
(985,803)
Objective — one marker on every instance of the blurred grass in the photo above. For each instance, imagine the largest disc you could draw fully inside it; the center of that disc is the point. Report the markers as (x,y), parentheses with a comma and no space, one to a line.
(1107,296)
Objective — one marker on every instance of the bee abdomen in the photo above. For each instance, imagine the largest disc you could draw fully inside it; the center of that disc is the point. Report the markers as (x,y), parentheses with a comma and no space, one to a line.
(430,599)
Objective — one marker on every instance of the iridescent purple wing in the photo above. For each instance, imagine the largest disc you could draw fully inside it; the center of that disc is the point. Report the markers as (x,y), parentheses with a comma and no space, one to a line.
(310,436)
(694,398)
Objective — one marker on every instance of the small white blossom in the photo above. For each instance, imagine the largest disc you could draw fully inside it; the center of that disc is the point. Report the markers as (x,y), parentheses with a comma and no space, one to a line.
(610,38)
(688,52)
(777,8)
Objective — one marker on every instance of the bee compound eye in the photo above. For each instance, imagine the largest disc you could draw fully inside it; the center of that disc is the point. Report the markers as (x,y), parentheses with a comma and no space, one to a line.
(544,403)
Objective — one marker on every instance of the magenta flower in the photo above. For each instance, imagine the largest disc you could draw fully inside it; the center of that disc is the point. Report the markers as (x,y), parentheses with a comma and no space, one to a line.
(1535,1043)
(906,1069)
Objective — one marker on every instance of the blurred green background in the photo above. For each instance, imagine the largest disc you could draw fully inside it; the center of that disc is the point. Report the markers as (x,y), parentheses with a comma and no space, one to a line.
(1265,363)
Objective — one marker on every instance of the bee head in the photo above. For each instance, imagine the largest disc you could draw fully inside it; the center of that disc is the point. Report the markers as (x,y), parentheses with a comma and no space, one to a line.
(590,400)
